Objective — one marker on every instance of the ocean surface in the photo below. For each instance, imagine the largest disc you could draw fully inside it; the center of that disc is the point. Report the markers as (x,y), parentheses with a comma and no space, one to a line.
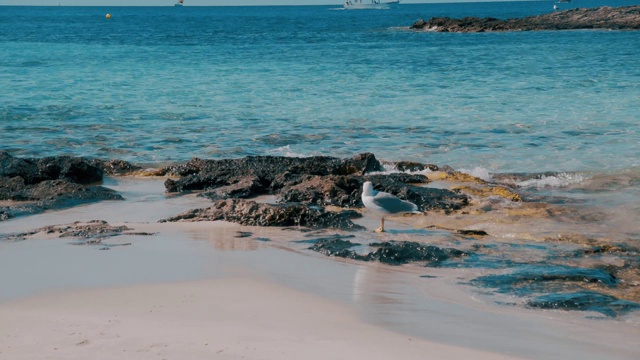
(154,85)
(554,114)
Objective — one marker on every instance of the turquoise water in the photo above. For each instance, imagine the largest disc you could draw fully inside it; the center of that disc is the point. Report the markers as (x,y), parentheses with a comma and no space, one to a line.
(159,84)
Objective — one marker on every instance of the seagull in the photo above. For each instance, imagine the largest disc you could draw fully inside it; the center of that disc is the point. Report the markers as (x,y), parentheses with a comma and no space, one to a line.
(384,203)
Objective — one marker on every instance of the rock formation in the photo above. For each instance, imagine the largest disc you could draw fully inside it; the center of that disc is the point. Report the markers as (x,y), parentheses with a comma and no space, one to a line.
(48,183)
(250,213)
(620,18)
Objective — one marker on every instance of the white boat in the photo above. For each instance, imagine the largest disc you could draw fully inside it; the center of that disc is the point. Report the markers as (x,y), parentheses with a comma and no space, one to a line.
(179,3)
(370,4)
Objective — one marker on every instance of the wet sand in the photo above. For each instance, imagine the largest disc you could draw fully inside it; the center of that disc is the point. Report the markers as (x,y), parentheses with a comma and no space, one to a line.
(195,290)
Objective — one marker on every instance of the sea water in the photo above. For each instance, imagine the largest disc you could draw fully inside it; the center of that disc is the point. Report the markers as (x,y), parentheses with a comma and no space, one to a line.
(153,85)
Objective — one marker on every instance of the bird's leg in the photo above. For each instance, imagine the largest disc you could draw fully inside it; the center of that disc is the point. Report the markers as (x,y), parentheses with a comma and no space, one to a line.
(381,228)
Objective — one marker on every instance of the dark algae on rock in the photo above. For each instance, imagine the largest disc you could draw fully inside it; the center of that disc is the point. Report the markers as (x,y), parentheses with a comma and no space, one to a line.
(619,18)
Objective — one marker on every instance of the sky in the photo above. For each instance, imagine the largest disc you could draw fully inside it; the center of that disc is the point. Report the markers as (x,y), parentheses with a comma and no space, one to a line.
(191,2)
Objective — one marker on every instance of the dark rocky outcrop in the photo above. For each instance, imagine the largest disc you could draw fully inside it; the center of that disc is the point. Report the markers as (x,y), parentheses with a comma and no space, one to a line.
(390,252)
(251,213)
(605,17)
(303,184)
(32,171)
(321,181)
(264,173)
(48,183)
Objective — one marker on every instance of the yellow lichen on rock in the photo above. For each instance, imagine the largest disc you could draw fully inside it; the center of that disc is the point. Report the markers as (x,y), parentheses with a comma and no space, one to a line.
(463,177)
(489,191)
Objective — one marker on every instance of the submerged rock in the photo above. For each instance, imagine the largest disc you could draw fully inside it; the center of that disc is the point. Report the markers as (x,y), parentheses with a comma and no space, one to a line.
(536,276)
(391,252)
(403,252)
(585,301)
(605,17)
(251,213)
(85,233)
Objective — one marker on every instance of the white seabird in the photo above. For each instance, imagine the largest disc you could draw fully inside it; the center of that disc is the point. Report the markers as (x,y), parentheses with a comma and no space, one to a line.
(384,203)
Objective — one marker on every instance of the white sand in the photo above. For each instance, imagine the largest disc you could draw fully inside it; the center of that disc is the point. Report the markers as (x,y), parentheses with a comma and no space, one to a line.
(233,318)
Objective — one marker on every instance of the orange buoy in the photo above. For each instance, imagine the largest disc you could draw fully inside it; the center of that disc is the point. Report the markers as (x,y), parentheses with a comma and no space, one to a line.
(108,16)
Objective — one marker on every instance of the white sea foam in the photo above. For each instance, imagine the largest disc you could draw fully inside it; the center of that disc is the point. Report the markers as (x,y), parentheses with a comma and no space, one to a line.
(558,180)
(478,172)
(286,151)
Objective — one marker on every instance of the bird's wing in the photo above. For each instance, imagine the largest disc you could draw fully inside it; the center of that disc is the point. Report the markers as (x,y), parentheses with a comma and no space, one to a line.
(393,204)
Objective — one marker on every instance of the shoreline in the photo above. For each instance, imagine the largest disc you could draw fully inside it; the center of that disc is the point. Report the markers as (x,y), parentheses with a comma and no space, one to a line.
(222,318)
(388,304)
(430,303)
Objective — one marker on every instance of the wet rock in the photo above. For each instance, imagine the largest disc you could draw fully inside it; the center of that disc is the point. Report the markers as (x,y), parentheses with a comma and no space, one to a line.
(11,167)
(346,191)
(200,174)
(593,18)
(585,301)
(426,198)
(73,169)
(85,233)
(490,191)
(244,188)
(313,239)
(48,194)
(53,192)
(49,183)
(477,233)
(411,166)
(33,171)
(250,213)
(535,276)
(343,191)
(391,252)
(403,252)
(337,247)
(117,167)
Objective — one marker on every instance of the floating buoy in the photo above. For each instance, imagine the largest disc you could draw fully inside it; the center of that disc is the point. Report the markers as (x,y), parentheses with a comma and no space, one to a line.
(108,16)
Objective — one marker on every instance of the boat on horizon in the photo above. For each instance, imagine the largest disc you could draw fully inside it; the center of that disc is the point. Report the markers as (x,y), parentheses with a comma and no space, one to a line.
(179,3)
(370,4)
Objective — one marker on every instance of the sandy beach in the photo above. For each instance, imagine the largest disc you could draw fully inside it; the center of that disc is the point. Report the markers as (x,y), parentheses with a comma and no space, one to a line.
(232,318)
(198,291)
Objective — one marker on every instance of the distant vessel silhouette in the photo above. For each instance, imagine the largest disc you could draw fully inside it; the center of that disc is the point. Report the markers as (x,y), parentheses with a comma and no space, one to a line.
(370,4)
